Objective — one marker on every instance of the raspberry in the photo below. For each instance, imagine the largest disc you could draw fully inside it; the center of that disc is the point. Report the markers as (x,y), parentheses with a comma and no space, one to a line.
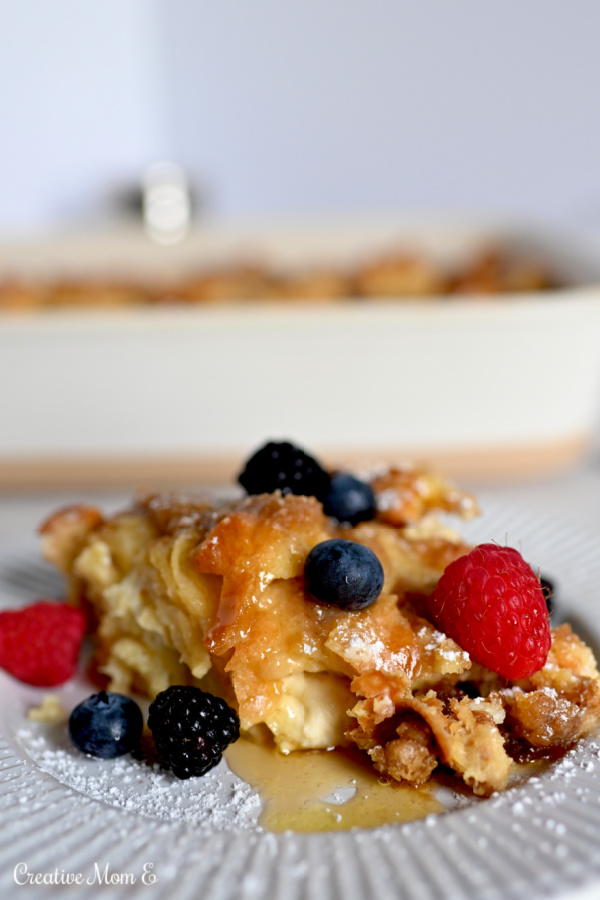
(39,644)
(492,604)
(191,728)
(287,468)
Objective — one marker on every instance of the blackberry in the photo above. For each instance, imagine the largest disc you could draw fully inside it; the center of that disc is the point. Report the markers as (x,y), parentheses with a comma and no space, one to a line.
(349,500)
(344,574)
(106,725)
(191,728)
(281,465)
(548,592)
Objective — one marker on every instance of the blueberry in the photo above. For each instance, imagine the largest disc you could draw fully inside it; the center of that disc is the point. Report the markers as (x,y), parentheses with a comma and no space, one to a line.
(344,574)
(285,467)
(349,499)
(106,725)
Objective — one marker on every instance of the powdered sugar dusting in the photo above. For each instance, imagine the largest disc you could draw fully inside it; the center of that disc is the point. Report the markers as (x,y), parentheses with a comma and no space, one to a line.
(368,649)
(217,801)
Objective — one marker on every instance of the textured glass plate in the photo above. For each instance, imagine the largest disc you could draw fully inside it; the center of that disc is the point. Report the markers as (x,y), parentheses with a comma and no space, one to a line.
(63,815)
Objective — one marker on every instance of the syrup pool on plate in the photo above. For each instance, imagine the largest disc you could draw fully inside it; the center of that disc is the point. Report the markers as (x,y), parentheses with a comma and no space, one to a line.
(318,790)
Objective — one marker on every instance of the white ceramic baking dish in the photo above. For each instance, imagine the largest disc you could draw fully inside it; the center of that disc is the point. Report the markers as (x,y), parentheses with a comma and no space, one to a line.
(490,387)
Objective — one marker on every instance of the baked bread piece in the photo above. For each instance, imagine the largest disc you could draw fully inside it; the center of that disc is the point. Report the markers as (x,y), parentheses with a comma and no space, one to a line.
(396,275)
(399,275)
(493,272)
(224,285)
(182,590)
(20,296)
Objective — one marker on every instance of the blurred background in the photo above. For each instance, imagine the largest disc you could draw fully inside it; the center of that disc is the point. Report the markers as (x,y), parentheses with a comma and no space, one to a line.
(302,107)
(296,111)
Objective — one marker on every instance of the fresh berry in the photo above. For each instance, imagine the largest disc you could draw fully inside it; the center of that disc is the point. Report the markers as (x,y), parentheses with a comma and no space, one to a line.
(344,574)
(191,728)
(549,592)
(39,644)
(106,725)
(349,500)
(492,604)
(287,468)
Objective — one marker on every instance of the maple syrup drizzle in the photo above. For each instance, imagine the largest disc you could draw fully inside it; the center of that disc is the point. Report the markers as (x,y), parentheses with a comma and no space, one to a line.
(319,790)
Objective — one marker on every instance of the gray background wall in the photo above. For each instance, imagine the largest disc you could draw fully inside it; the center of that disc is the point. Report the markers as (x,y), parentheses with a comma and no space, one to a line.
(303,106)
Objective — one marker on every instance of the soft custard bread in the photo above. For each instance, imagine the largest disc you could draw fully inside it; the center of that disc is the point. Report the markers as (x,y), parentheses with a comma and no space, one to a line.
(181,590)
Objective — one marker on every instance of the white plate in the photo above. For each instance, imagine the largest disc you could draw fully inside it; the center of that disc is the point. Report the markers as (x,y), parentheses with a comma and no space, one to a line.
(63,814)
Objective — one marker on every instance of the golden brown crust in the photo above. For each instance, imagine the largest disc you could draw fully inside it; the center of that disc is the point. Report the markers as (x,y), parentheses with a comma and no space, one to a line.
(405,496)
(65,532)
(184,591)
(494,273)
(18,297)
(235,283)
(561,703)
(397,275)
(317,286)
(411,756)
(462,734)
